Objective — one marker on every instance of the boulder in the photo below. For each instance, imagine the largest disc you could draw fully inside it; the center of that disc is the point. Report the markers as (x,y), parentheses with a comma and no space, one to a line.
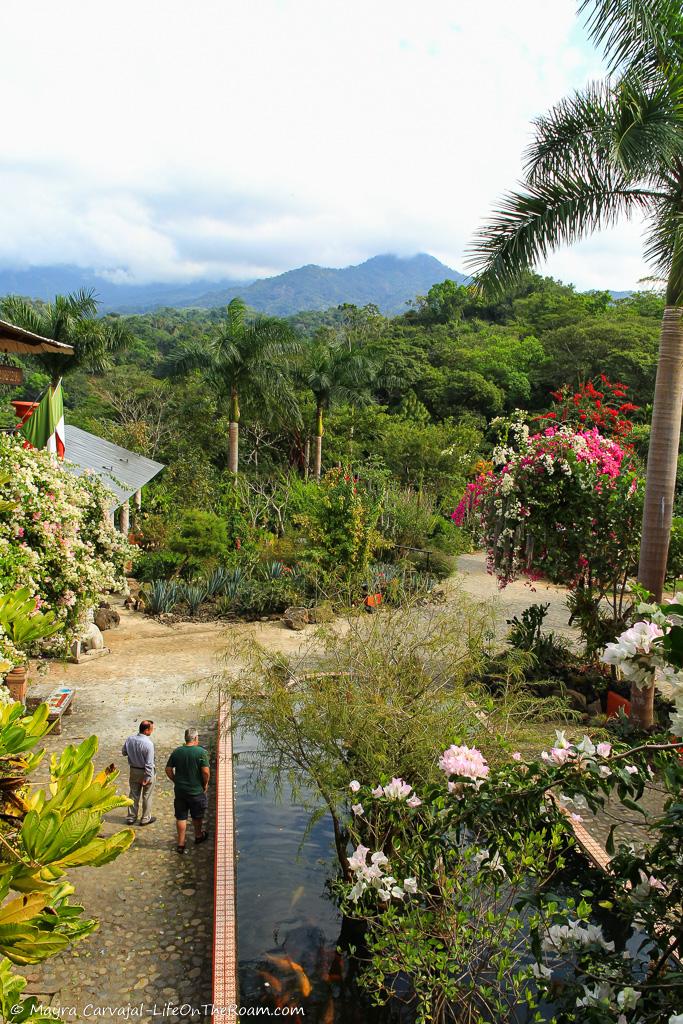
(321,613)
(106,617)
(576,699)
(594,709)
(296,618)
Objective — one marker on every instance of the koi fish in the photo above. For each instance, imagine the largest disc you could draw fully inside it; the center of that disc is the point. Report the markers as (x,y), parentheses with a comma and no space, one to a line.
(285,963)
(296,896)
(328,1016)
(271,981)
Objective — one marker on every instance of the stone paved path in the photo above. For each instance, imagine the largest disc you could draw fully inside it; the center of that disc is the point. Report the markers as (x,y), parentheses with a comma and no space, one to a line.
(155,908)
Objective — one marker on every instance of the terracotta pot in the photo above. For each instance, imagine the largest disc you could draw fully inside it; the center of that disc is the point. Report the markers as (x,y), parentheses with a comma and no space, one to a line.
(16,682)
(614,702)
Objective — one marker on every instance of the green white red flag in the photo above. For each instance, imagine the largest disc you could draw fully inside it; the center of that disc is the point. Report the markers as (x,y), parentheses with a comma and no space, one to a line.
(45,426)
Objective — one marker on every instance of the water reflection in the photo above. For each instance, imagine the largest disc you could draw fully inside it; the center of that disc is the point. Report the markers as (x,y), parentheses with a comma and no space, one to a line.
(288,929)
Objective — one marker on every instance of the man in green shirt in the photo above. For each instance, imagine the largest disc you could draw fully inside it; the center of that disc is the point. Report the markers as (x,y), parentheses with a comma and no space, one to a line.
(188,770)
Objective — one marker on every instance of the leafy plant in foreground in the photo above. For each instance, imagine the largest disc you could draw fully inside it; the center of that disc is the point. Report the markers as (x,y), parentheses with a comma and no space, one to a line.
(43,834)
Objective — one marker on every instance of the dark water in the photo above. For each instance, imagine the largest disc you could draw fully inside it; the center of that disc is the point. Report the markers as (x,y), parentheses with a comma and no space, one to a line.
(288,930)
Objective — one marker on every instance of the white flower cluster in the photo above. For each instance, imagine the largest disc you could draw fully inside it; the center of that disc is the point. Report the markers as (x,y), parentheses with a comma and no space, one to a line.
(641,659)
(602,994)
(374,876)
(564,938)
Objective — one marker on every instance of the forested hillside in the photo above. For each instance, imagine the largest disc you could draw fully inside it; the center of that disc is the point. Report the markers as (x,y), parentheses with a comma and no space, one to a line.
(439,373)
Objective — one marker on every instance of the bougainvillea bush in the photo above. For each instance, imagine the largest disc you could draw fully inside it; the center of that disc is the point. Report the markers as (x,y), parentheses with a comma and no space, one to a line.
(561,503)
(598,404)
(478,906)
(56,538)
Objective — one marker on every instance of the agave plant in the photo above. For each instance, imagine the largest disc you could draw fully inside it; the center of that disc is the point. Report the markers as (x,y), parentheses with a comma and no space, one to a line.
(161,596)
(194,596)
(216,582)
(273,570)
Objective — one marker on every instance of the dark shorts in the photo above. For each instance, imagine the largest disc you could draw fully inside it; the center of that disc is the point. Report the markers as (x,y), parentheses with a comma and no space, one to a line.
(194,805)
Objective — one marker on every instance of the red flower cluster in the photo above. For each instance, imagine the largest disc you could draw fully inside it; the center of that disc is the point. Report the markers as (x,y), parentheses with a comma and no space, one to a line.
(599,403)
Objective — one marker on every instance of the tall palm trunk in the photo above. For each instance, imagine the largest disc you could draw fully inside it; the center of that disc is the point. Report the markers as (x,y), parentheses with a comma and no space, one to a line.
(318,454)
(234,431)
(662,463)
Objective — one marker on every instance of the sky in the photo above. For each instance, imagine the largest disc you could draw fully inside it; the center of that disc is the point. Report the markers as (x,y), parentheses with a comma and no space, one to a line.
(161,140)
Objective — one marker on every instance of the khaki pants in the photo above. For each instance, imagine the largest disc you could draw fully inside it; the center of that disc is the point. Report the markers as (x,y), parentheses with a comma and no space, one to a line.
(137,790)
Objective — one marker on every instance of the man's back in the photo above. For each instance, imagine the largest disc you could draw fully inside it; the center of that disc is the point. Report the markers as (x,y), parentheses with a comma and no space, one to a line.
(187,762)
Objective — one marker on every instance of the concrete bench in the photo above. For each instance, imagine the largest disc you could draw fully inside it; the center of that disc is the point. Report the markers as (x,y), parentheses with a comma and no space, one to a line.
(59,702)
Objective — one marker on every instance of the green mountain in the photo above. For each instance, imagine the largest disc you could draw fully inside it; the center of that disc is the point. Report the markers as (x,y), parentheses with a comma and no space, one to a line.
(387,281)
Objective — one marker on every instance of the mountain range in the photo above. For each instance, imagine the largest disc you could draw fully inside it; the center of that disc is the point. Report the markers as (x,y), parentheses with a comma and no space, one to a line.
(388,281)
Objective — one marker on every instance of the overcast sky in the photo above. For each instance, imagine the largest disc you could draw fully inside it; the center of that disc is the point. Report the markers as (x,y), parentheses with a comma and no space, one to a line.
(169,139)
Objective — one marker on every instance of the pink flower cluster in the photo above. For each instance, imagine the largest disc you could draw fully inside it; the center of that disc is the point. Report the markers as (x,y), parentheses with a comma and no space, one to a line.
(397,789)
(464,761)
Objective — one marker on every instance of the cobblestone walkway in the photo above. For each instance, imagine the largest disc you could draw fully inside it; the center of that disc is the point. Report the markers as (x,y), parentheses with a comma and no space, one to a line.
(154,943)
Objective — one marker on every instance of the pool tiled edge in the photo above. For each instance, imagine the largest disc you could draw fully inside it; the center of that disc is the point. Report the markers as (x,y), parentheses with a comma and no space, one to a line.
(225,917)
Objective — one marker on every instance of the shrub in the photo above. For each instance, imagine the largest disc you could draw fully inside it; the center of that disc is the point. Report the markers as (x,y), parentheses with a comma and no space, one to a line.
(55,534)
(201,539)
(340,525)
(155,565)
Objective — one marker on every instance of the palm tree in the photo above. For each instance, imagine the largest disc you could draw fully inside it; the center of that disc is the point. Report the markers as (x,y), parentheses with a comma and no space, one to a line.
(246,358)
(335,372)
(615,148)
(70,319)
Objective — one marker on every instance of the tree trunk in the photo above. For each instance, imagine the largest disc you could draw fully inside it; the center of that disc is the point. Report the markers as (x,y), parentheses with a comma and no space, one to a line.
(307,458)
(318,456)
(233,446)
(662,463)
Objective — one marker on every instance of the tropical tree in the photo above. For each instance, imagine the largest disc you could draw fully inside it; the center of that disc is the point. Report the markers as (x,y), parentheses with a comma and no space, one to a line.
(71,319)
(335,372)
(247,358)
(614,148)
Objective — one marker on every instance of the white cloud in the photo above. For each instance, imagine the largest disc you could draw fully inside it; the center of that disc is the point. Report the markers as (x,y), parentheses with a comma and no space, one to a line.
(167,140)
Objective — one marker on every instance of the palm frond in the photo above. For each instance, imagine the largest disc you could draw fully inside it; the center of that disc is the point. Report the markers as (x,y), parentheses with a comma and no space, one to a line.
(632,123)
(532,223)
(236,315)
(21,313)
(193,355)
(81,303)
(647,34)
(664,245)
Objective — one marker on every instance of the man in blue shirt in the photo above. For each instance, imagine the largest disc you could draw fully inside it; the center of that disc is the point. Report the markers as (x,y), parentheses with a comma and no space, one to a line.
(139,750)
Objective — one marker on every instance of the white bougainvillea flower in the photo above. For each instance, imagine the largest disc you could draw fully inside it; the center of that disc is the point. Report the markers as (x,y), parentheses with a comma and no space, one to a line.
(354,786)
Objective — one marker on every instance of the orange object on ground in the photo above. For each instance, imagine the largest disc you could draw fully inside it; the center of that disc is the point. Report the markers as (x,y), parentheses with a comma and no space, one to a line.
(614,702)
(373,601)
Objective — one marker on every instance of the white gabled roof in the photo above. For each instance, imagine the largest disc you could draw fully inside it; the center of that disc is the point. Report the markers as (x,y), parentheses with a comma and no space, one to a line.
(121,471)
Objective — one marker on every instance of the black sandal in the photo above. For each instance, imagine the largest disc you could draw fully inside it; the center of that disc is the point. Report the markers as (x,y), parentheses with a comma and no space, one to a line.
(202,839)
(180,849)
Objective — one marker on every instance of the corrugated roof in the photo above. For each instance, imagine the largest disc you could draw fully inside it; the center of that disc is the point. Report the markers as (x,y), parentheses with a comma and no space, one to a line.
(121,471)
(16,339)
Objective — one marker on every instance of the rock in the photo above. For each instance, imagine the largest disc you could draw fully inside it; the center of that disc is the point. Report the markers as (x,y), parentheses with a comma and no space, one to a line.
(106,617)
(576,699)
(594,709)
(322,613)
(296,618)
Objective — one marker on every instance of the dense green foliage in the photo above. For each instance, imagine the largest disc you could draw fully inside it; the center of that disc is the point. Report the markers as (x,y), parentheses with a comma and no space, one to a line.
(406,400)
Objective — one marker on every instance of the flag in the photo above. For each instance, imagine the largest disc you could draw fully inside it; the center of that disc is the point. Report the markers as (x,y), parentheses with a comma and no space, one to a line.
(45,426)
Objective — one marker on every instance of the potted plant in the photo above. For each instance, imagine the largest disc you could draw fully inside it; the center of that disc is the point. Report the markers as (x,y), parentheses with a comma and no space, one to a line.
(23,625)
